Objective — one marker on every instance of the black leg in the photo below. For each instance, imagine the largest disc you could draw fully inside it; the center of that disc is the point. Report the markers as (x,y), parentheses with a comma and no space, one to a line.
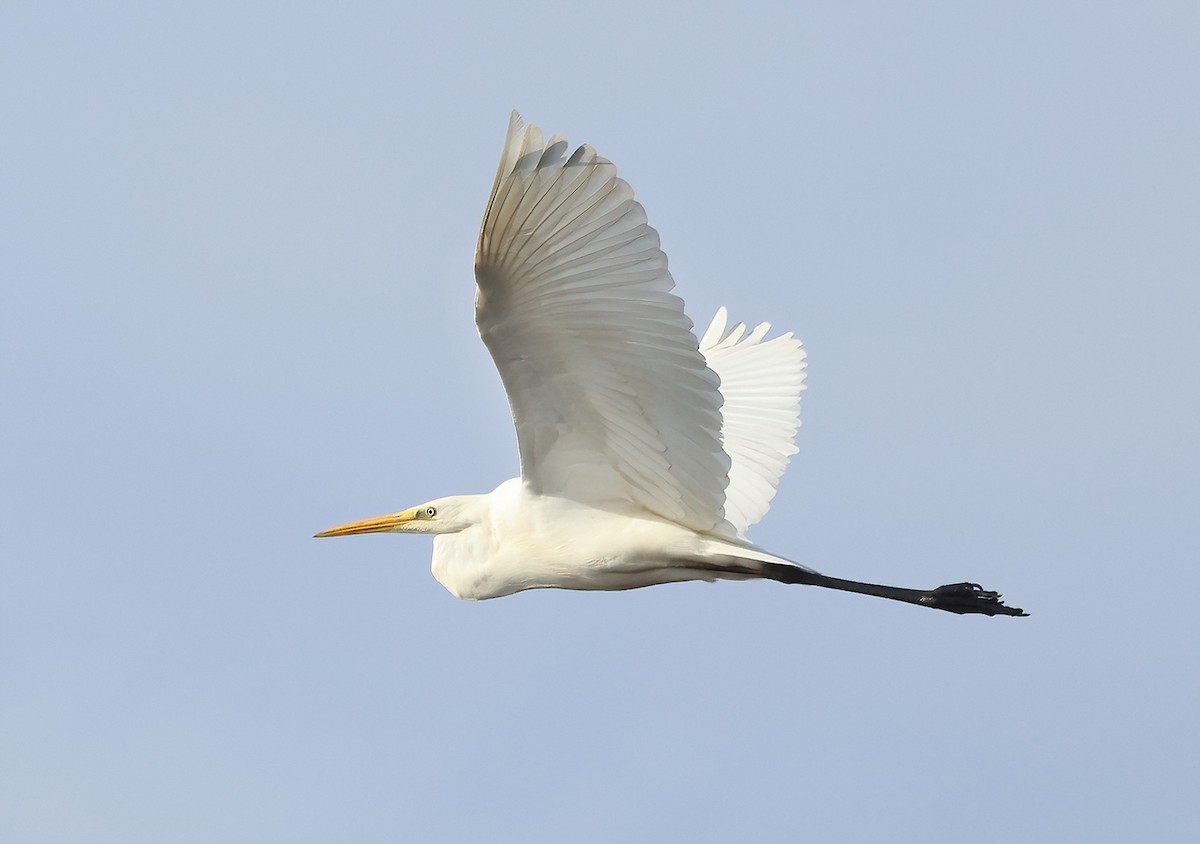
(961,598)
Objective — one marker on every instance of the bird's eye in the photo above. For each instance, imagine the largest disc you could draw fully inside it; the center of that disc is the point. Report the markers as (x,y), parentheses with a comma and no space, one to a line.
(430,512)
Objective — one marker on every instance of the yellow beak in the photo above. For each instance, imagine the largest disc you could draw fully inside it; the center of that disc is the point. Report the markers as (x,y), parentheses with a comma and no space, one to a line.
(375,524)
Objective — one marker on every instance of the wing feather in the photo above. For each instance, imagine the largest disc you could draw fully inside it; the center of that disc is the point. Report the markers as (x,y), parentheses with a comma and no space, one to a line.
(611,397)
(761,381)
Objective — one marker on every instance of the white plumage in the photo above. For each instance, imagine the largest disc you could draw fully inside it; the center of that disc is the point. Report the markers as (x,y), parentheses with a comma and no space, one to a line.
(645,454)
(611,397)
(761,382)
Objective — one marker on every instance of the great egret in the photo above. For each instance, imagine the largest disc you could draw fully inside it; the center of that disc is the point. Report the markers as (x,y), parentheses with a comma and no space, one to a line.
(645,455)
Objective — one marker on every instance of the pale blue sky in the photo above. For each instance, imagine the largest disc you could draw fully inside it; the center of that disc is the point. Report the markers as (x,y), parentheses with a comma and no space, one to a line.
(236,268)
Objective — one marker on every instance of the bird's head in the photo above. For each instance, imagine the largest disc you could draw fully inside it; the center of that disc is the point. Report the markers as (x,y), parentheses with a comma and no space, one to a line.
(443,515)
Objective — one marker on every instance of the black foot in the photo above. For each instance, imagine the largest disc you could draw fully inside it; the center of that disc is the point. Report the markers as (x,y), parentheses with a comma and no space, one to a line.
(965,598)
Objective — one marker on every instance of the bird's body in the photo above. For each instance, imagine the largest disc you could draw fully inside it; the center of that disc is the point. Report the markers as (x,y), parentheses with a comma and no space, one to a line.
(517,540)
(646,453)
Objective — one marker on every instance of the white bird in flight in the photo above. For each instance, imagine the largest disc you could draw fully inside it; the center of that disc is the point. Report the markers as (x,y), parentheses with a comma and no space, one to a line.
(645,454)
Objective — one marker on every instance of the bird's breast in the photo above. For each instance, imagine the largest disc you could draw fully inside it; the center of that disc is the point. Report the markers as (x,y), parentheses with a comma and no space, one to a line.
(463,563)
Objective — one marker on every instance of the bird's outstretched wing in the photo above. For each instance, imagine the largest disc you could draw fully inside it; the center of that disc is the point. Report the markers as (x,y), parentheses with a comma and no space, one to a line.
(611,397)
(761,382)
